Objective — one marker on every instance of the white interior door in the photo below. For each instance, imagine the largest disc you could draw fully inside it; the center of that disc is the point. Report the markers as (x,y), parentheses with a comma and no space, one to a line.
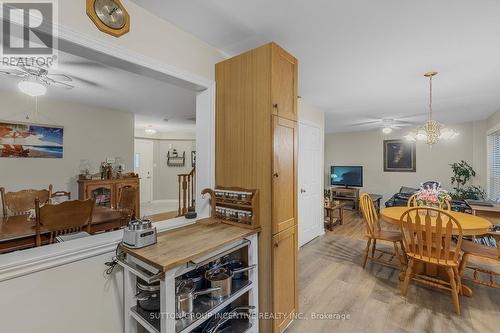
(143,165)
(310,177)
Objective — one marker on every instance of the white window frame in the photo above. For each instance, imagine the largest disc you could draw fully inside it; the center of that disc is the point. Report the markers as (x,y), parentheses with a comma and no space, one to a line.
(489,163)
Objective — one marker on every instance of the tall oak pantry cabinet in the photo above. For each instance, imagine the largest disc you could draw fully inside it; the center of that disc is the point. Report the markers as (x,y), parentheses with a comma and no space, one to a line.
(256,148)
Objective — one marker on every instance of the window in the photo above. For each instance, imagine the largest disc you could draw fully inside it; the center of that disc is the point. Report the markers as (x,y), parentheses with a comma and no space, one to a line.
(494,165)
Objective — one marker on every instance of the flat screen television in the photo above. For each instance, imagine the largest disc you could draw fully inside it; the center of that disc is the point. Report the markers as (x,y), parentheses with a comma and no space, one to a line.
(346,176)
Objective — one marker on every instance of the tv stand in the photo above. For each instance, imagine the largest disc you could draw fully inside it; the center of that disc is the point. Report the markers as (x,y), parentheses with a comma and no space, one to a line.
(346,194)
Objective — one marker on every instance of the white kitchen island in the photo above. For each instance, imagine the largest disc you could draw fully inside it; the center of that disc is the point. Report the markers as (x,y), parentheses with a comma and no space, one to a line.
(178,252)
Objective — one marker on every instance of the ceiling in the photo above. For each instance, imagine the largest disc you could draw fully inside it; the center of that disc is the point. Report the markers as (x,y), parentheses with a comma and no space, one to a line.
(362,60)
(151,100)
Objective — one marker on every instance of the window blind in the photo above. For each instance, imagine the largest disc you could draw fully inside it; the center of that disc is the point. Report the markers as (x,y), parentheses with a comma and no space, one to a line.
(494,165)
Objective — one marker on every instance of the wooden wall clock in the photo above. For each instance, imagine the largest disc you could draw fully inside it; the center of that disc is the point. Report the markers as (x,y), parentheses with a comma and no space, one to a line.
(109,16)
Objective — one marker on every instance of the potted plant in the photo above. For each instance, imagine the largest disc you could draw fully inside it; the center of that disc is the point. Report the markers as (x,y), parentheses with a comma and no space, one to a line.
(461,178)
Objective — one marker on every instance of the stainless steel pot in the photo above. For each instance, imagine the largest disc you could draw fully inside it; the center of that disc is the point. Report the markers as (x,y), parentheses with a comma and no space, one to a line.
(197,276)
(148,297)
(222,278)
(234,265)
(185,295)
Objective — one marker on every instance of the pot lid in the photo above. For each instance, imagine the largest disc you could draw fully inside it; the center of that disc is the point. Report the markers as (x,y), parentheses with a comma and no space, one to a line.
(183,287)
(144,286)
(219,274)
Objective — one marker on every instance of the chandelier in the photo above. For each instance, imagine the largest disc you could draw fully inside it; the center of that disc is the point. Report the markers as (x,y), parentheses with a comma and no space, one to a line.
(432,131)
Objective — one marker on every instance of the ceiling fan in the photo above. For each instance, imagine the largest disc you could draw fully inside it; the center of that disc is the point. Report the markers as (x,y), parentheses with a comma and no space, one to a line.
(35,80)
(387,124)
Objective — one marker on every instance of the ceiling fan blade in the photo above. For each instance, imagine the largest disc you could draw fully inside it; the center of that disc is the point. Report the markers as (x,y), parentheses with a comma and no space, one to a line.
(366,123)
(60,77)
(88,82)
(58,84)
(13,72)
(404,123)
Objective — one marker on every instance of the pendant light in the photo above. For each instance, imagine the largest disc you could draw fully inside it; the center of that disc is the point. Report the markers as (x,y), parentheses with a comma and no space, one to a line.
(431,131)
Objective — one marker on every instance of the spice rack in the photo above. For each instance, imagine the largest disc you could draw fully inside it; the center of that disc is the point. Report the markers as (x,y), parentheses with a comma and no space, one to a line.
(235,205)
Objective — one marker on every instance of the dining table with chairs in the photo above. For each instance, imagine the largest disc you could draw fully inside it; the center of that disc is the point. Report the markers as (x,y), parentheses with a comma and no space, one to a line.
(431,245)
(33,218)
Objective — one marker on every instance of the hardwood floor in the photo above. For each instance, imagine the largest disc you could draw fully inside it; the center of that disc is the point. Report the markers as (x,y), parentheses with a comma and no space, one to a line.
(333,282)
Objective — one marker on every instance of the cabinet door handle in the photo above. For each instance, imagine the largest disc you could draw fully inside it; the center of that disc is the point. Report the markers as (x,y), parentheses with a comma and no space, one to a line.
(302,190)
(275,105)
(276,244)
(276,175)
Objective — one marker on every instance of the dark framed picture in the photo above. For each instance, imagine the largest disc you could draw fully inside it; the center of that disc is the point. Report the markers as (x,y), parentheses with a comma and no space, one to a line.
(399,156)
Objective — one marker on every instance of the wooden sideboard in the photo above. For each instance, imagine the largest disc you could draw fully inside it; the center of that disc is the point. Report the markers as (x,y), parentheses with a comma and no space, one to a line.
(107,192)
(256,147)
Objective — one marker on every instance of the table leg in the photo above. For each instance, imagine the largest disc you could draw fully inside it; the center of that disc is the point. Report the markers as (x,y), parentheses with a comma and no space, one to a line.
(341,215)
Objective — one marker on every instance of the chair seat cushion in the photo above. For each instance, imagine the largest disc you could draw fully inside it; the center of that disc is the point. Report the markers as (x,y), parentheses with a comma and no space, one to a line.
(480,250)
(392,236)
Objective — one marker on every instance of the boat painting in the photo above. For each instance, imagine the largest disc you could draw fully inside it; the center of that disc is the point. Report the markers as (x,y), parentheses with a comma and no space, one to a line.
(24,140)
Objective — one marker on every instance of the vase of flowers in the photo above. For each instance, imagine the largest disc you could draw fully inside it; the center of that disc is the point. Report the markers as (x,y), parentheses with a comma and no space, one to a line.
(434,197)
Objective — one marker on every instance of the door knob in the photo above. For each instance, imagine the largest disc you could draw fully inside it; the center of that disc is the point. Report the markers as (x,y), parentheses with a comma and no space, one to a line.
(302,190)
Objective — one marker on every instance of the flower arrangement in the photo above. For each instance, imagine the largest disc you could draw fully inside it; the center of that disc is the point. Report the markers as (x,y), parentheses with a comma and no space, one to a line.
(433,196)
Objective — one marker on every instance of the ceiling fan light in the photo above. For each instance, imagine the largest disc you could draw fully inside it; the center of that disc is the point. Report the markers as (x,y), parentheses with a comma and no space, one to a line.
(32,88)
(386,130)
(421,135)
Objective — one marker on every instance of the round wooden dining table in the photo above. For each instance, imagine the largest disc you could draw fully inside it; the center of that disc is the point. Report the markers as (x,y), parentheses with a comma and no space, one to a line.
(471,226)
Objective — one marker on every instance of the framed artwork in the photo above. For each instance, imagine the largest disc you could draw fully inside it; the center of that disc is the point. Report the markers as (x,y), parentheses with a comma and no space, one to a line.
(193,158)
(399,156)
(24,140)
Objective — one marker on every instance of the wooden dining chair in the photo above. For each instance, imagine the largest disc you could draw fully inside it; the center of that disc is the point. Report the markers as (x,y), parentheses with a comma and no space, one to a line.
(427,238)
(127,202)
(21,202)
(486,252)
(412,202)
(64,218)
(60,196)
(374,232)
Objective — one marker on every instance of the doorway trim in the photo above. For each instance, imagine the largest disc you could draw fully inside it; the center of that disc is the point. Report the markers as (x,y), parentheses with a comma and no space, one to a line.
(320,223)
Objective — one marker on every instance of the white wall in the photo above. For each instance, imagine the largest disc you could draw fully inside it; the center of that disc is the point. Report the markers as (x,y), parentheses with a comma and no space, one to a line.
(77,297)
(165,185)
(366,149)
(149,35)
(89,133)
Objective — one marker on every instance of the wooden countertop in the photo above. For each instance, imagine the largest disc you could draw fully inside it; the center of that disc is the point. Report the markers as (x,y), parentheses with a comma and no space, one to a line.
(179,246)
